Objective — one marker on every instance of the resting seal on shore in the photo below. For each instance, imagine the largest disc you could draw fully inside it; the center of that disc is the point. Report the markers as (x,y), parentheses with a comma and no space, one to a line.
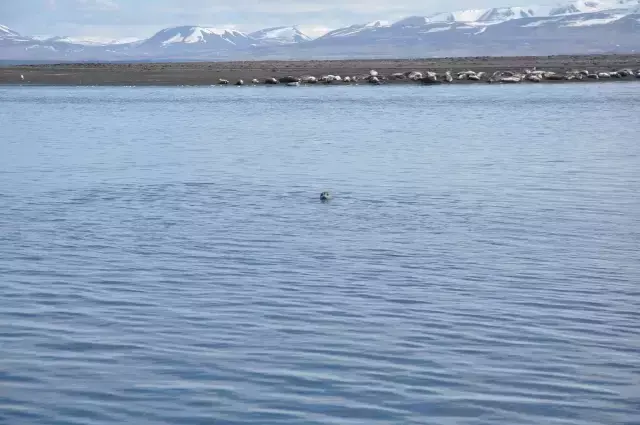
(552,76)
(510,80)
(325,196)
(430,81)
(239,83)
(431,74)
(327,79)
(223,81)
(374,80)
(271,81)
(465,75)
(289,79)
(414,75)
(533,78)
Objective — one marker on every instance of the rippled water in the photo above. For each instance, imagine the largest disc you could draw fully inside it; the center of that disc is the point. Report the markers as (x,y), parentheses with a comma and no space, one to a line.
(165,259)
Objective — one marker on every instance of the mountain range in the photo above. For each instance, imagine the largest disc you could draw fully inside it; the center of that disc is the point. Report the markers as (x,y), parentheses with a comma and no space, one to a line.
(578,27)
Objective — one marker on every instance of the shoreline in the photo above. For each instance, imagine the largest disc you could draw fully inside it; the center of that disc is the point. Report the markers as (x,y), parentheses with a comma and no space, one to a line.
(550,69)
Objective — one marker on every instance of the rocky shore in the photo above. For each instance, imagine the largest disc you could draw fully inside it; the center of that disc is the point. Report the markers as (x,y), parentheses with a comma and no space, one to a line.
(538,69)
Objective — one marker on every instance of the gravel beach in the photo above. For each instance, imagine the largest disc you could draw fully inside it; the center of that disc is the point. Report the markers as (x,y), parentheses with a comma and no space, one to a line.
(210,73)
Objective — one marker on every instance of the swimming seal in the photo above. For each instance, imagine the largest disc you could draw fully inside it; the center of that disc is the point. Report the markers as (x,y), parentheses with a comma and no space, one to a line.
(325,196)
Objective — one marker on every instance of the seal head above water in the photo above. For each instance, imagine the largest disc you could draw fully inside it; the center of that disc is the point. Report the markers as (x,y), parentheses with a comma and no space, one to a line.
(325,196)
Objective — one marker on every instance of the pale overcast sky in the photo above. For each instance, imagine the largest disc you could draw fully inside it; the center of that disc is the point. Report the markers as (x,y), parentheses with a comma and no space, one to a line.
(141,18)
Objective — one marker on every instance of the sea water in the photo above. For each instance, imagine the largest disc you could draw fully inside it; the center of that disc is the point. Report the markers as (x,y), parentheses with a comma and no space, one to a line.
(165,257)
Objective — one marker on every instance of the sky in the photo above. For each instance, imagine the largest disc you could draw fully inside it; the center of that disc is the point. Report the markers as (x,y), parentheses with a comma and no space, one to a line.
(117,19)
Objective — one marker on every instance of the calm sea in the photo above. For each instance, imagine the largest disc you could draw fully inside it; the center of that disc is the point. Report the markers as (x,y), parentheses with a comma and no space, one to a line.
(165,258)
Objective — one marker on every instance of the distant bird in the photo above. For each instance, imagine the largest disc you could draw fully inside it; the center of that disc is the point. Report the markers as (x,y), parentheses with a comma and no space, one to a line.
(22,77)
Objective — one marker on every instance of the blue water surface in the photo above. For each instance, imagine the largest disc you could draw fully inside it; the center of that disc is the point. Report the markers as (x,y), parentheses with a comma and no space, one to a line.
(165,257)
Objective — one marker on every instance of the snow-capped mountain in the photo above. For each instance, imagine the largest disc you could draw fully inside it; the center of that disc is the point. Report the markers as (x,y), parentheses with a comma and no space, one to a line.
(6,32)
(507,13)
(476,21)
(15,46)
(90,41)
(581,26)
(279,35)
(354,29)
(195,35)
(605,31)
(584,6)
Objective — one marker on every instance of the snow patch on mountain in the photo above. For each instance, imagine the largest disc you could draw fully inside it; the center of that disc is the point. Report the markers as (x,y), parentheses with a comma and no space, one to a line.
(412,21)
(280,35)
(355,29)
(7,32)
(585,6)
(502,14)
(506,13)
(541,22)
(190,35)
(438,29)
(595,21)
(458,16)
(92,41)
(198,35)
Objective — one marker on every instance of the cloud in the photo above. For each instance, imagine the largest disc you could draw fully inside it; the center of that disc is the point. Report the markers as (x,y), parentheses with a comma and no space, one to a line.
(140,18)
(98,4)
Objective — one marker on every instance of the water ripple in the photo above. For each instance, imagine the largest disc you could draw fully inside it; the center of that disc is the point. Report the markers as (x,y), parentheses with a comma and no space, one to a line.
(165,258)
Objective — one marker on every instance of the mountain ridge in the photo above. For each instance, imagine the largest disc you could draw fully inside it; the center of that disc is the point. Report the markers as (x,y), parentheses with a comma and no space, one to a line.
(581,26)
